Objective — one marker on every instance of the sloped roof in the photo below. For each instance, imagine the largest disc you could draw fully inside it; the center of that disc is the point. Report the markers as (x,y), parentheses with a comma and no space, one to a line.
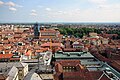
(12,73)
(48,31)
(28,53)
(5,56)
(80,73)
(16,64)
(104,77)
(32,76)
(51,44)
(2,77)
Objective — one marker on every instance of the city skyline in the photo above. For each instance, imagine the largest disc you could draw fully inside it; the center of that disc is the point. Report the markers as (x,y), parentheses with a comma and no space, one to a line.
(59,10)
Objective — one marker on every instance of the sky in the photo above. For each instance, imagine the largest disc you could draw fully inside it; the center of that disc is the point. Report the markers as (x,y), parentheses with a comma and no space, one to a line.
(59,11)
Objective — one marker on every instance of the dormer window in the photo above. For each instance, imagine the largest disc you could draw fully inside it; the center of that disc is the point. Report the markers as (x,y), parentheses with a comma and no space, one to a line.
(2,52)
(20,44)
(68,54)
(16,53)
(1,43)
(79,54)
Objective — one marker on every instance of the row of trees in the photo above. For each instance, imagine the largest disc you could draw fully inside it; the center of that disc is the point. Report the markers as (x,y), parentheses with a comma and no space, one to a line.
(114,32)
(80,32)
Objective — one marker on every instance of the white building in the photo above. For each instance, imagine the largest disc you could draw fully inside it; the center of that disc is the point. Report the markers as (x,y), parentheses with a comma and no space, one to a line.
(22,68)
(77,44)
(105,41)
(13,74)
(8,73)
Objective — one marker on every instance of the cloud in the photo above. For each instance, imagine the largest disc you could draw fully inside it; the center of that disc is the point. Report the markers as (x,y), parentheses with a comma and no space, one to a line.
(11,4)
(61,12)
(109,6)
(98,1)
(12,9)
(33,13)
(106,13)
(48,9)
(1,3)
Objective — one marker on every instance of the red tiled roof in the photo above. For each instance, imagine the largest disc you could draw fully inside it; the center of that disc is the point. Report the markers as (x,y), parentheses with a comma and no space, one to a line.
(100,57)
(39,51)
(80,73)
(48,44)
(5,56)
(105,78)
(28,53)
(2,77)
(109,35)
(1,47)
(42,50)
(115,65)
(49,37)
(96,74)
(69,62)
(58,49)
(5,41)
(48,31)
(14,58)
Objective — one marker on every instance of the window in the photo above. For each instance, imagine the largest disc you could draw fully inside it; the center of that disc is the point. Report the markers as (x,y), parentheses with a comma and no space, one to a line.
(69,68)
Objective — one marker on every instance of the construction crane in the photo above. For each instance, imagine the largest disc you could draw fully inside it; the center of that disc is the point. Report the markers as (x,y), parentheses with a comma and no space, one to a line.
(50,44)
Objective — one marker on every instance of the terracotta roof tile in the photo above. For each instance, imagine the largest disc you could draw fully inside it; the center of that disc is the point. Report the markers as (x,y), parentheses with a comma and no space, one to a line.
(48,44)
(5,56)
(79,73)
(2,77)
(28,53)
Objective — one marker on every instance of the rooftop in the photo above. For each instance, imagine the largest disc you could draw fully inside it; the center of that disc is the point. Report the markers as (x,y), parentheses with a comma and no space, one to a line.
(32,76)
(73,55)
(16,64)
(5,56)
(2,77)
(51,44)
(63,70)
(13,72)
(46,76)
